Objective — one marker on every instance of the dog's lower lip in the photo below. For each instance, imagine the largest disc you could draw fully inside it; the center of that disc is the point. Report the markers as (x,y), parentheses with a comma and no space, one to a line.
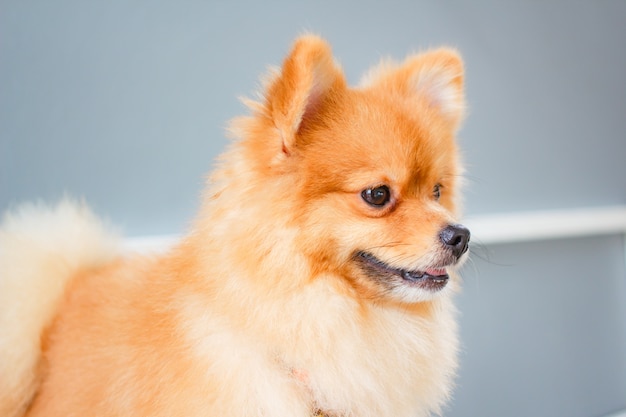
(431,278)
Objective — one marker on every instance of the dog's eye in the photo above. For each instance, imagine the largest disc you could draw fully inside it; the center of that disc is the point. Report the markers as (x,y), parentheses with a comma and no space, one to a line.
(437,191)
(377,196)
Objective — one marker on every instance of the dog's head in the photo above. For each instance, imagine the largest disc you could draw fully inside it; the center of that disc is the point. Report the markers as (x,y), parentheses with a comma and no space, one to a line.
(370,174)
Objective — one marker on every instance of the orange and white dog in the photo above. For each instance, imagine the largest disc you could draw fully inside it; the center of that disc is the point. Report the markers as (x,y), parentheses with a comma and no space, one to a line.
(317,278)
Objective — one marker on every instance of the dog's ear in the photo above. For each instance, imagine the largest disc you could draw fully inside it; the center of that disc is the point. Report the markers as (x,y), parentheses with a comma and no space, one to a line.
(308,76)
(435,76)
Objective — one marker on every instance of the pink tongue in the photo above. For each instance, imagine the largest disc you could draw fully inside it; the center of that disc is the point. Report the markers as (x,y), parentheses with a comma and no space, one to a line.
(436,272)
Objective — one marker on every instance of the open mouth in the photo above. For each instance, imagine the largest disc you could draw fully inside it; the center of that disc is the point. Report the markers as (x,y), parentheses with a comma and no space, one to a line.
(431,279)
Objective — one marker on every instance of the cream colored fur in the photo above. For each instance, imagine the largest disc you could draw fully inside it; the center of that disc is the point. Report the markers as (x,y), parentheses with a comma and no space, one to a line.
(41,248)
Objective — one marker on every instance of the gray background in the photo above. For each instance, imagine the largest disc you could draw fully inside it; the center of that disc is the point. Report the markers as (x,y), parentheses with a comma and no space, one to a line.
(124,103)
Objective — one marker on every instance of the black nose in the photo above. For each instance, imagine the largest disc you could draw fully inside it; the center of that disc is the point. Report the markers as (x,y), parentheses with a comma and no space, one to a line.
(455,238)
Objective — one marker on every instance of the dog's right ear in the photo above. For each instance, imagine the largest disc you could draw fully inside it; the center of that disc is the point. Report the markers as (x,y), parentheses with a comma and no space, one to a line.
(308,77)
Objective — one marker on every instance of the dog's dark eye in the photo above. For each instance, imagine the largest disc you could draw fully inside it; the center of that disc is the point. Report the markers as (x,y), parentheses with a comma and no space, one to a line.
(437,191)
(377,196)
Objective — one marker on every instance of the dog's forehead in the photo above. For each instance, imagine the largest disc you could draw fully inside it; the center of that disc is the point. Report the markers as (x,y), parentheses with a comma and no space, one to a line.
(399,132)
(377,139)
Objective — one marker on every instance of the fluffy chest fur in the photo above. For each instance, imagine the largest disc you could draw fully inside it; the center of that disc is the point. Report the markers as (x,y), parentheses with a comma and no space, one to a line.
(317,350)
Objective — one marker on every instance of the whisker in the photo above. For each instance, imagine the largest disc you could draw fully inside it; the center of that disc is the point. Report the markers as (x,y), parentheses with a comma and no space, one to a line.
(387,245)
(484,253)
(476,275)
(471,178)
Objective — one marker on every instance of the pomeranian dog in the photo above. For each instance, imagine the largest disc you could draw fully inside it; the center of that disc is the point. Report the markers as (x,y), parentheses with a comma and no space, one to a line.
(317,279)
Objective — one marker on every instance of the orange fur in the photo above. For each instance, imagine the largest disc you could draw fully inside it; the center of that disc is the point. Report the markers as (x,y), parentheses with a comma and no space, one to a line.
(263,309)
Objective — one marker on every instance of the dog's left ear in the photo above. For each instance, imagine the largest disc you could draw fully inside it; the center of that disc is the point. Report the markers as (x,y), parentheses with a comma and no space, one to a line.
(435,76)
(308,77)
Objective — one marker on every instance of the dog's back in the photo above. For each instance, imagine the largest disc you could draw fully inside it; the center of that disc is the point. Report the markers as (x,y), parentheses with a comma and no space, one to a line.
(41,248)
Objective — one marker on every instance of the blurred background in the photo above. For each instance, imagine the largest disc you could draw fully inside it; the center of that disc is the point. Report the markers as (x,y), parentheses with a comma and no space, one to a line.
(125,103)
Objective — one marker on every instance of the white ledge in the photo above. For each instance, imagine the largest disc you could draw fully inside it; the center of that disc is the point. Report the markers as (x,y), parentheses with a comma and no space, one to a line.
(491,228)
(548,224)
